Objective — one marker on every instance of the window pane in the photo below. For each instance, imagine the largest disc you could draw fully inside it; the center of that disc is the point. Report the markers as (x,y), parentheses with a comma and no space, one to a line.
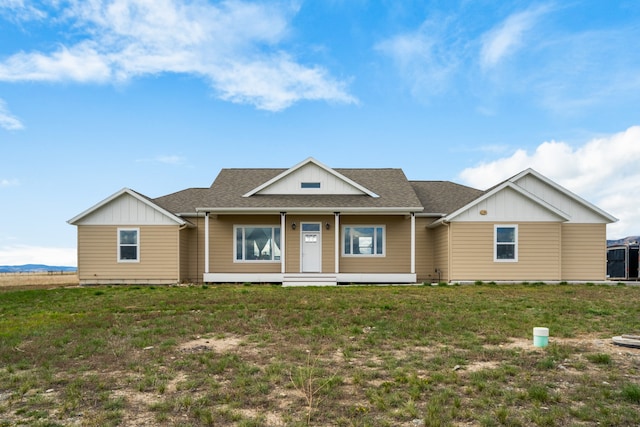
(310,227)
(239,244)
(129,252)
(505,251)
(276,243)
(347,240)
(506,234)
(379,241)
(128,237)
(363,240)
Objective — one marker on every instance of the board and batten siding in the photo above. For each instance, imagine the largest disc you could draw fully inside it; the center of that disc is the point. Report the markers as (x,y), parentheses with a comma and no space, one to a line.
(311,173)
(584,252)
(472,258)
(98,255)
(397,258)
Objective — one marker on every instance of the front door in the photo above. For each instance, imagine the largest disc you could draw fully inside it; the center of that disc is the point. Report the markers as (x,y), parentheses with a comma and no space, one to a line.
(311,247)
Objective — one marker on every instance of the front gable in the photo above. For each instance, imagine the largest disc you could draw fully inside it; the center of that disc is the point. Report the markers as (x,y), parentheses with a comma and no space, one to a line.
(126,207)
(311,177)
(505,204)
(577,208)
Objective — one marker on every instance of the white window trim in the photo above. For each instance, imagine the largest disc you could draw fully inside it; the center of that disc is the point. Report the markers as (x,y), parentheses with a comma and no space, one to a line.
(372,255)
(137,230)
(254,261)
(495,243)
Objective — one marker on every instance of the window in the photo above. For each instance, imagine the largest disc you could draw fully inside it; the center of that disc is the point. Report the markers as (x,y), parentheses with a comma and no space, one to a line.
(309,185)
(128,245)
(506,243)
(257,243)
(363,240)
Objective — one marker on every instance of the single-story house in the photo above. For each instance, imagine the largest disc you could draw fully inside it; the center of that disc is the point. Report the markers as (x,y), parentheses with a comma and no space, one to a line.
(312,224)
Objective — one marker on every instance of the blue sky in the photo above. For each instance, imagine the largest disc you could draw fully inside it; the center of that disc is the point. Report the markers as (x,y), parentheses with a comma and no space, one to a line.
(159,95)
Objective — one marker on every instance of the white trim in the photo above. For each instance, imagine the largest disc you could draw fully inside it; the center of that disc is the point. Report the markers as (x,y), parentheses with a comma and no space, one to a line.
(316,210)
(320,165)
(283,240)
(137,245)
(365,278)
(413,243)
(133,194)
(336,248)
(495,243)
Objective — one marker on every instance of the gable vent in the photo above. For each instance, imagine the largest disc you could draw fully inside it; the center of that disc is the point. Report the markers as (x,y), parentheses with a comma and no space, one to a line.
(309,185)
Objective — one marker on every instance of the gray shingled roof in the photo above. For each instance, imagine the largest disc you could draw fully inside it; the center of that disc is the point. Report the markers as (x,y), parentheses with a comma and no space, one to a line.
(444,197)
(391,185)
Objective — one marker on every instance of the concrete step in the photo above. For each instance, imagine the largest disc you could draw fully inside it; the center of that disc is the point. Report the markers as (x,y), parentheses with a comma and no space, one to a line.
(309,279)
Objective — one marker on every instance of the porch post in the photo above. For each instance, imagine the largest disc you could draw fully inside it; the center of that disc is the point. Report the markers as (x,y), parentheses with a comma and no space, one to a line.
(206,242)
(283,240)
(413,243)
(336,248)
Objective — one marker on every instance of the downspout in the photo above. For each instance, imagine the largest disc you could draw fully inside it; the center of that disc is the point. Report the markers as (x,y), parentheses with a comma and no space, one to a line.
(336,248)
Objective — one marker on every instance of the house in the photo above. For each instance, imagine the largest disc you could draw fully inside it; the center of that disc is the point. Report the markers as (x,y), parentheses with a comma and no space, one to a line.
(311,224)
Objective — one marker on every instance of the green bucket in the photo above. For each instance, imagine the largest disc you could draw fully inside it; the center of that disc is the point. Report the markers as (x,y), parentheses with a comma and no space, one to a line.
(540,337)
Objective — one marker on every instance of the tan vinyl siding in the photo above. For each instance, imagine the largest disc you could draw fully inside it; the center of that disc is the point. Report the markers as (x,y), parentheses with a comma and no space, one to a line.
(425,271)
(472,246)
(584,255)
(192,253)
(221,255)
(441,252)
(397,258)
(97,256)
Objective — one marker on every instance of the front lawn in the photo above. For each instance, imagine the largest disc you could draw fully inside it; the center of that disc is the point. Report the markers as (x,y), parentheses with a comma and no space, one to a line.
(350,356)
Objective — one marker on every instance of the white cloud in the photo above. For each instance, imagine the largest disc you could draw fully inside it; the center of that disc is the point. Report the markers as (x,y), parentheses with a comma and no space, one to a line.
(17,10)
(24,254)
(424,57)
(508,36)
(9,182)
(604,171)
(232,44)
(7,120)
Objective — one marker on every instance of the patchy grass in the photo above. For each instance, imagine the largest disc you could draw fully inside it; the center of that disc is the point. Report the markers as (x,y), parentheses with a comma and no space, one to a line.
(348,356)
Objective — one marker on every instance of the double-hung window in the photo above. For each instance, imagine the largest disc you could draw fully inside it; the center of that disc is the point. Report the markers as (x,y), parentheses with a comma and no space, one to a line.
(505,242)
(256,243)
(367,240)
(128,244)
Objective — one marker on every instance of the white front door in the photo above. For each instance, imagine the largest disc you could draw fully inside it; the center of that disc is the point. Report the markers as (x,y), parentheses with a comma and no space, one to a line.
(311,247)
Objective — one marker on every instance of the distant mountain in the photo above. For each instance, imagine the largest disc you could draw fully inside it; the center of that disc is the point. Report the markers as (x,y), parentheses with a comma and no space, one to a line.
(629,239)
(34,268)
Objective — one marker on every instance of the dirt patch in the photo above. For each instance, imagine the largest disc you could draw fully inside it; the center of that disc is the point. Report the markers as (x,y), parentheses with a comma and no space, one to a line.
(218,345)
